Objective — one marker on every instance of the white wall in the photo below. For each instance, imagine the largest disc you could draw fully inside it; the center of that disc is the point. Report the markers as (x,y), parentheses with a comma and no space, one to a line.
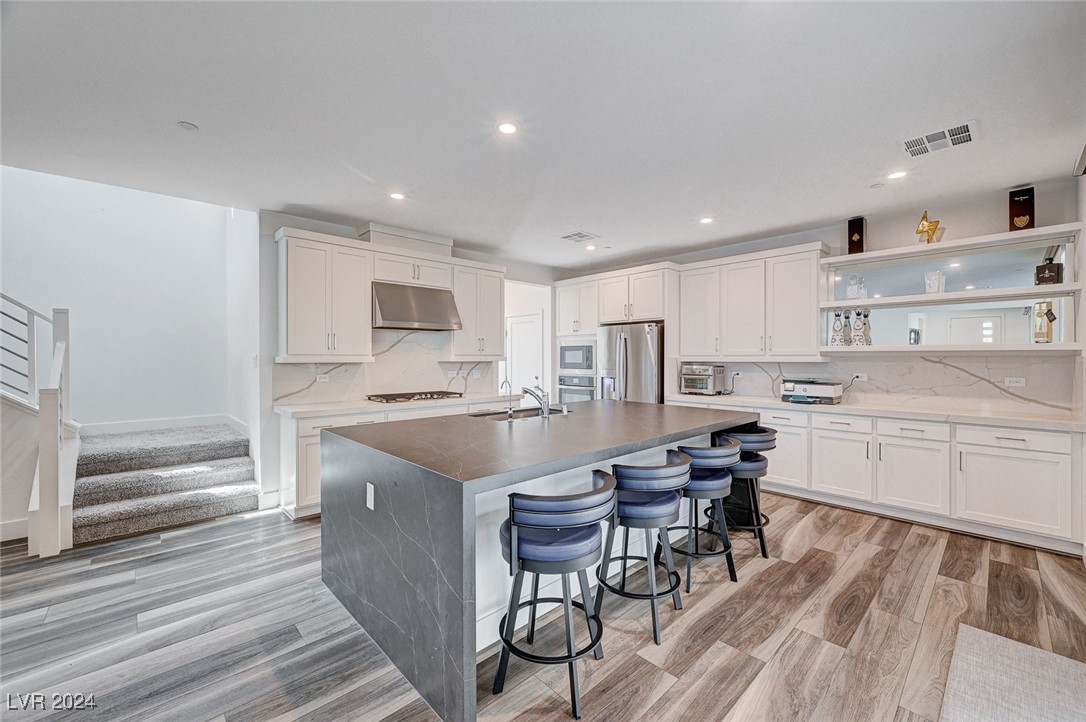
(243,325)
(145,277)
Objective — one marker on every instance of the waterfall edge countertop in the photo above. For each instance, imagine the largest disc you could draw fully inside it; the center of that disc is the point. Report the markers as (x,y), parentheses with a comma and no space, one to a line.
(487,453)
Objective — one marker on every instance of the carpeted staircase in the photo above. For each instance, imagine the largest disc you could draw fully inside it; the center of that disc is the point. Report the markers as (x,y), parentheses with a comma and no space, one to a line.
(134,482)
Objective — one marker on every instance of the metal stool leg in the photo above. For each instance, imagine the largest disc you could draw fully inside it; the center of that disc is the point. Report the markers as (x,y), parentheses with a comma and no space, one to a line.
(669,559)
(586,600)
(690,517)
(530,638)
(756,507)
(651,569)
(605,565)
(574,684)
(510,628)
(718,505)
(625,555)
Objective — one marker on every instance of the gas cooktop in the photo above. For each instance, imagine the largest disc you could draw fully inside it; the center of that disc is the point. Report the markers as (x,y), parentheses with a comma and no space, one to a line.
(414,396)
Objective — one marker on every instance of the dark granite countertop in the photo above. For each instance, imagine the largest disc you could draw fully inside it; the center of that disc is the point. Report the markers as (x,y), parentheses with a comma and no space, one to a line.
(490,454)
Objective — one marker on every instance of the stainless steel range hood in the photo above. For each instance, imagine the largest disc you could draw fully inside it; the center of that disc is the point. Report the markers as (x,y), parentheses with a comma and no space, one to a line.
(396,305)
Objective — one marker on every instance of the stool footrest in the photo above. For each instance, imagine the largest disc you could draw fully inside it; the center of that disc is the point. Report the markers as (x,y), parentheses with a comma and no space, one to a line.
(744,509)
(698,555)
(673,578)
(597,636)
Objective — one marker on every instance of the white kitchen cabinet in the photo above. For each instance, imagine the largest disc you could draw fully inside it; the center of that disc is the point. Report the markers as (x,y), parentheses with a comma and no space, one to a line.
(614,300)
(637,297)
(578,309)
(1018,489)
(308,492)
(791,307)
(743,310)
(324,302)
(480,300)
(913,473)
(841,463)
(699,320)
(412,271)
(788,463)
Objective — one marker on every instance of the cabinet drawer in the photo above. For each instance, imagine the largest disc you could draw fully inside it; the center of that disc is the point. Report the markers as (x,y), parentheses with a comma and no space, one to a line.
(306,427)
(1027,440)
(859,424)
(425,413)
(914,429)
(493,406)
(775,417)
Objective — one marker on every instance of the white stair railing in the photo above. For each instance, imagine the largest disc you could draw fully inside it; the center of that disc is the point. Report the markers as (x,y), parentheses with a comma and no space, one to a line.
(18,348)
(51,413)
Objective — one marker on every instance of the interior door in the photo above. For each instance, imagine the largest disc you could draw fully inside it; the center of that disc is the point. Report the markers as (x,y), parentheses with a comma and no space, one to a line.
(974,330)
(524,353)
(308,319)
(351,302)
(743,308)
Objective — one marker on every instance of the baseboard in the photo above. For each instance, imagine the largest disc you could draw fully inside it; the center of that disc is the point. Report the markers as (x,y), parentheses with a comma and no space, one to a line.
(115,427)
(13,529)
(268,500)
(237,425)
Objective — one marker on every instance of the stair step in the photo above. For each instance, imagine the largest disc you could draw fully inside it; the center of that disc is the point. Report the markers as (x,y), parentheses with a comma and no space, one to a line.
(102,488)
(131,516)
(130,451)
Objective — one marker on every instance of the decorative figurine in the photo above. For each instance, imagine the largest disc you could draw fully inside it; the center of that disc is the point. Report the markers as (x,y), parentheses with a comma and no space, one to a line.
(867,326)
(857,232)
(838,336)
(928,229)
(847,328)
(858,338)
(1020,207)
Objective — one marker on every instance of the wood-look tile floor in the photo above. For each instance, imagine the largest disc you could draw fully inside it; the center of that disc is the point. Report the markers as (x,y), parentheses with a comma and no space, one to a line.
(853,618)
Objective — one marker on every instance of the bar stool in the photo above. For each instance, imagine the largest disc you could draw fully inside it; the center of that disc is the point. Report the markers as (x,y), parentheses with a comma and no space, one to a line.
(743,508)
(555,535)
(648,498)
(710,480)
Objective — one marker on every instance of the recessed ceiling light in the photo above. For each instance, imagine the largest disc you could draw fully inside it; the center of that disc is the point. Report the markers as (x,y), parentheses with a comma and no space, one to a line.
(877,185)
(969,288)
(953,265)
(397,196)
(507,128)
(590,248)
(897,174)
(706,220)
(186,125)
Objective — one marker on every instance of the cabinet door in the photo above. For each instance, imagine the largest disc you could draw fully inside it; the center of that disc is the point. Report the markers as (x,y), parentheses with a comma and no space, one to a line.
(699,313)
(788,462)
(491,314)
(792,306)
(1027,490)
(588,308)
(841,463)
(743,309)
(432,273)
(308,488)
(614,299)
(466,293)
(398,269)
(308,297)
(351,303)
(568,301)
(647,296)
(913,474)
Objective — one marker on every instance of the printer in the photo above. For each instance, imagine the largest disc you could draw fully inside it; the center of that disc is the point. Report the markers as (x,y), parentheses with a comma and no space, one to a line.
(811,391)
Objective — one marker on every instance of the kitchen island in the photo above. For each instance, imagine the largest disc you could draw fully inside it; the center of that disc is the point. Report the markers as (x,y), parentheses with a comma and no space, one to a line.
(411,510)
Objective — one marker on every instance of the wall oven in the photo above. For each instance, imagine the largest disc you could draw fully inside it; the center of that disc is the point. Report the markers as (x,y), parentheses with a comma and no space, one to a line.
(576,356)
(576,388)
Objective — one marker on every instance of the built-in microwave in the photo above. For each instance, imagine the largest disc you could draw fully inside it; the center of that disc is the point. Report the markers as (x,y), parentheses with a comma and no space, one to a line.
(576,388)
(576,356)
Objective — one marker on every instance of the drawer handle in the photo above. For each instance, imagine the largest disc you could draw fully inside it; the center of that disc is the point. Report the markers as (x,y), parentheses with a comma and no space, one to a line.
(842,423)
(324,426)
(780,418)
(910,428)
(1010,438)
(359,423)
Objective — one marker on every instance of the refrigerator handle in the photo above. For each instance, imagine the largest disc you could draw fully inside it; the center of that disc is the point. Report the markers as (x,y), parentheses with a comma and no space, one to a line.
(625,367)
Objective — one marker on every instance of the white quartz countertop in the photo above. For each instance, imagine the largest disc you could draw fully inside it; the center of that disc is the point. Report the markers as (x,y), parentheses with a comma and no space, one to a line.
(333,408)
(951,410)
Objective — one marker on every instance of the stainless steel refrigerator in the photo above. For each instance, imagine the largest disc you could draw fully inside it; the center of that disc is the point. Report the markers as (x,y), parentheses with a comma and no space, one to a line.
(631,362)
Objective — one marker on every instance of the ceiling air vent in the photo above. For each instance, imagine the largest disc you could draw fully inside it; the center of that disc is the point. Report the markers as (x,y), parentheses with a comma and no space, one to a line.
(940,139)
(580,237)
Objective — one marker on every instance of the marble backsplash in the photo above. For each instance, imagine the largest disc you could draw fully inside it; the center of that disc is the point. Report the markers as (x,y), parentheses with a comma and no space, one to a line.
(931,381)
(405,361)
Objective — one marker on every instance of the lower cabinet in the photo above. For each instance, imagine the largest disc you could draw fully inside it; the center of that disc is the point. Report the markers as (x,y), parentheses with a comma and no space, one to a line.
(308,491)
(789,463)
(913,474)
(1019,489)
(841,463)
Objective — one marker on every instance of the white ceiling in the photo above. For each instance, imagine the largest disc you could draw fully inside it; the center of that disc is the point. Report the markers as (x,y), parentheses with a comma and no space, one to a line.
(636,119)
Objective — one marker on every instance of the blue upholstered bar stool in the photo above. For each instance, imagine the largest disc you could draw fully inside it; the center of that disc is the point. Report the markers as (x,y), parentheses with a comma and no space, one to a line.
(710,480)
(648,498)
(743,508)
(555,535)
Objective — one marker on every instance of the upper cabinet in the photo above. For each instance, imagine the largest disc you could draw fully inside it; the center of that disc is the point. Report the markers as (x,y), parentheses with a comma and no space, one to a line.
(578,309)
(324,302)
(758,308)
(480,299)
(412,271)
(637,297)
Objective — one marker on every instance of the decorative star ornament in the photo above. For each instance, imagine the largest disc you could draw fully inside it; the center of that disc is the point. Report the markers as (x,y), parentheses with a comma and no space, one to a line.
(927,228)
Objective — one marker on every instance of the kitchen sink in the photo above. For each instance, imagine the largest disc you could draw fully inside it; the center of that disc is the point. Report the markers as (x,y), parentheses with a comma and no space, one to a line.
(530,413)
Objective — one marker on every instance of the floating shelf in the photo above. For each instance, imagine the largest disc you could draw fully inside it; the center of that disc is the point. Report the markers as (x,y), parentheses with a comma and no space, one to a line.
(1065,232)
(937,299)
(1047,349)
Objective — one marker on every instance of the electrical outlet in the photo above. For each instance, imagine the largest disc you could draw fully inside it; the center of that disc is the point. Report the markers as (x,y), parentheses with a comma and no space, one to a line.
(256,360)
(860,377)
(369,496)
(1014,381)
(323,378)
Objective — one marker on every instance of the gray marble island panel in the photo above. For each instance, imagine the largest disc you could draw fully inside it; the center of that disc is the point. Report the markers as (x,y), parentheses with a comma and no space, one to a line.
(399,505)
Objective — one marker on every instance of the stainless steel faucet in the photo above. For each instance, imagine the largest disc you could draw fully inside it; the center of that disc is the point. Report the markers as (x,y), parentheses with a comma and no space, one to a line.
(541,396)
(509,411)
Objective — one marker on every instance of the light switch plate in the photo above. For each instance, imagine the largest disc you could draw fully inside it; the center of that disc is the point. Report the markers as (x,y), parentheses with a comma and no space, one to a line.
(369,496)
(1014,381)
